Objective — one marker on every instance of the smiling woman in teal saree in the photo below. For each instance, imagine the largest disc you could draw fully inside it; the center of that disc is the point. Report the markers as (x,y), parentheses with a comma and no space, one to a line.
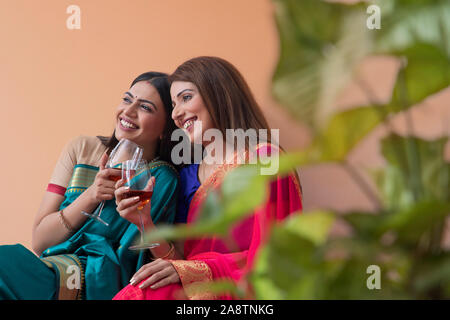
(99,253)
(81,258)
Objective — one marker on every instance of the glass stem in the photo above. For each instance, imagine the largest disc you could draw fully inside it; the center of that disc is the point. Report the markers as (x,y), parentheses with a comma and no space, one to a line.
(142,226)
(100,208)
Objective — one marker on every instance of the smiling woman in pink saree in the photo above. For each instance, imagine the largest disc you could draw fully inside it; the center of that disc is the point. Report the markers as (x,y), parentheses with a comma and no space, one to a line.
(212,91)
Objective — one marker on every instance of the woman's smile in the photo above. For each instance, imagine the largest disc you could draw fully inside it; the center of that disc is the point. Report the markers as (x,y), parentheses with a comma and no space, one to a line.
(127,124)
(188,124)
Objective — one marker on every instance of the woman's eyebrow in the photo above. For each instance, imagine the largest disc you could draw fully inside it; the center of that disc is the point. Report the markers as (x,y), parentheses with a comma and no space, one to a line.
(154,105)
(179,93)
(142,100)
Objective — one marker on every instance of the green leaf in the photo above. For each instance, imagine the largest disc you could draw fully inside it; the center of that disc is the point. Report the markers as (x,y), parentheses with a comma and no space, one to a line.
(426,71)
(419,33)
(431,274)
(243,189)
(364,224)
(344,130)
(408,22)
(287,267)
(320,44)
(314,226)
(415,170)
(290,266)
(413,222)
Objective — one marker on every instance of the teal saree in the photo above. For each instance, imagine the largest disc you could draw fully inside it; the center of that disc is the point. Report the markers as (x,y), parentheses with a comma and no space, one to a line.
(95,262)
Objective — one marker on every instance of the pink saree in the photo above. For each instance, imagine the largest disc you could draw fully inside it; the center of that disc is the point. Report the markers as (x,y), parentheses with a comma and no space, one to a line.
(224,258)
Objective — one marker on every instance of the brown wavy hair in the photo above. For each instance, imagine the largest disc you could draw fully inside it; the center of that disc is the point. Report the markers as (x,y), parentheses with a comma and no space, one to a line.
(225,93)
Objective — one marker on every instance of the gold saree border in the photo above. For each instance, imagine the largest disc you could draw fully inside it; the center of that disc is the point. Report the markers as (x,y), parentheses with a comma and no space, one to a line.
(60,263)
(195,275)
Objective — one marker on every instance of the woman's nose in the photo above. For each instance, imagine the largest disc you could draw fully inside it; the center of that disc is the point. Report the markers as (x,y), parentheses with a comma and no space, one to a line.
(177,113)
(130,110)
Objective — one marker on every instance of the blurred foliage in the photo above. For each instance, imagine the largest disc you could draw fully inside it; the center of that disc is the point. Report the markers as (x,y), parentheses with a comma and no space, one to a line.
(321,45)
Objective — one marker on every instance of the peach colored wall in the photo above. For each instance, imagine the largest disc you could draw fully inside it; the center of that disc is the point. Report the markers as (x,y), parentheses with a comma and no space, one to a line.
(57,83)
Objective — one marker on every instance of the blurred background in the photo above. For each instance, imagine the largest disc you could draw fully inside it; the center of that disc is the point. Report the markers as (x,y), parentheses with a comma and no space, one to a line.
(58,83)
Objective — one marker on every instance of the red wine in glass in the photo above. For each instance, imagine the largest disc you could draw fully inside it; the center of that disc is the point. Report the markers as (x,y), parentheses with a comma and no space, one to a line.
(116,178)
(144,196)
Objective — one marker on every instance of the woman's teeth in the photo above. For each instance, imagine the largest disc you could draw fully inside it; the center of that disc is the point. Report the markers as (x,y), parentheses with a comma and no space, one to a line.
(188,123)
(127,124)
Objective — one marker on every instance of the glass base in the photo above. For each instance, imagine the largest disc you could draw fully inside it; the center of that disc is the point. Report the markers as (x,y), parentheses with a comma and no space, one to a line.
(95,217)
(144,246)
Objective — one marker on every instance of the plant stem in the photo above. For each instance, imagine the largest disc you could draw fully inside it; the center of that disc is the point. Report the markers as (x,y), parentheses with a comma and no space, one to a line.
(366,189)
(375,101)
(412,152)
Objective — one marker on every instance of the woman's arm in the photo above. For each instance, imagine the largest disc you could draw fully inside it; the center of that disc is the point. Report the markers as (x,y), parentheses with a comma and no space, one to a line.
(51,226)
(48,229)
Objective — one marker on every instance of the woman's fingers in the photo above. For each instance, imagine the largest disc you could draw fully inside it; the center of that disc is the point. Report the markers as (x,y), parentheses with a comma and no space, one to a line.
(128,204)
(120,183)
(103,161)
(107,174)
(120,192)
(155,278)
(172,278)
(150,184)
(106,196)
(146,271)
(158,274)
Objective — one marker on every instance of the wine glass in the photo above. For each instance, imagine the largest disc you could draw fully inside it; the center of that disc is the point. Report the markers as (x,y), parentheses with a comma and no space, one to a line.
(137,176)
(123,151)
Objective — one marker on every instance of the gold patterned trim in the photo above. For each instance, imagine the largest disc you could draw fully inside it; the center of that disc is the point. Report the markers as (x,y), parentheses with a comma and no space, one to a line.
(195,275)
(81,179)
(63,266)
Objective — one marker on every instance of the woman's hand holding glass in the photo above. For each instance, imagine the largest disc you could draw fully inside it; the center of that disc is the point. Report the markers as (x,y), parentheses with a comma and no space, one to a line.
(133,199)
(128,207)
(103,187)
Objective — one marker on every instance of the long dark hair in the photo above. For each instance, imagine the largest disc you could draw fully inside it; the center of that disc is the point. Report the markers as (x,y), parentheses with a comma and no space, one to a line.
(160,81)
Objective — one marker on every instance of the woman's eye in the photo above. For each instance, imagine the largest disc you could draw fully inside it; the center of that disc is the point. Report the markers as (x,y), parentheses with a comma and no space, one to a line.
(126,99)
(187,97)
(146,108)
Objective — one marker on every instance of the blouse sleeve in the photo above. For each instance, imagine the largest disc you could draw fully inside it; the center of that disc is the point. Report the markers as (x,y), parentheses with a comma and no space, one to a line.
(64,168)
(81,150)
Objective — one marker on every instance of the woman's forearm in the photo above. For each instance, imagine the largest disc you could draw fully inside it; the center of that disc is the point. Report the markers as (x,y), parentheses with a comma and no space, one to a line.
(167,251)
(51,230)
